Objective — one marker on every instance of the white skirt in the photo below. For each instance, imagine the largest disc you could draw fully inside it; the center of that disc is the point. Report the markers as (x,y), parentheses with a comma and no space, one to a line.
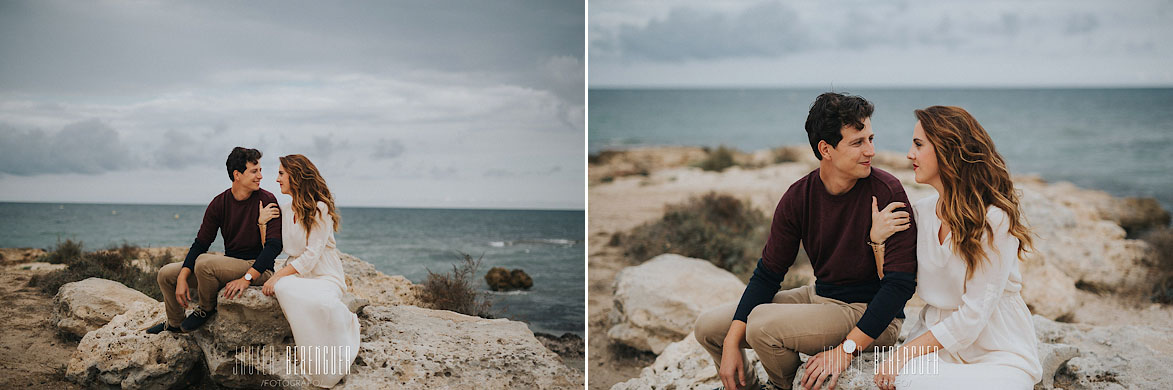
(930,372)
(325,331)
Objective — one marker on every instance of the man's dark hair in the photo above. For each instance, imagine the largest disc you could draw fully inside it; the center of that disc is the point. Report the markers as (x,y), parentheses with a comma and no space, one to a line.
(239,157)
(829,113)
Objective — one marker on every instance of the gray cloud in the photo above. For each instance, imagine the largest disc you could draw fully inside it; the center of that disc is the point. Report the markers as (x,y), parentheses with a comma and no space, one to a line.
(388,149)
(179,150)
(1081,24)
(88,147)
(768,29)
(467,82)
(59,46)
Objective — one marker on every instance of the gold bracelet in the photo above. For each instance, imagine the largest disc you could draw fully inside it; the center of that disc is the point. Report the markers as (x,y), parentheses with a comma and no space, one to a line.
(875,247)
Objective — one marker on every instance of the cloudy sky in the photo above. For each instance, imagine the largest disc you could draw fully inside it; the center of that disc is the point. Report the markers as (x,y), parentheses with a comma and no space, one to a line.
(880,43)
(401,103)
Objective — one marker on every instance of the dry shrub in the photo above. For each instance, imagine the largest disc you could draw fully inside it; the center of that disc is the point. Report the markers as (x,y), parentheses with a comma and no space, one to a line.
(718,160)
(1161,239)
(112,264)
(457,291)
(717,227)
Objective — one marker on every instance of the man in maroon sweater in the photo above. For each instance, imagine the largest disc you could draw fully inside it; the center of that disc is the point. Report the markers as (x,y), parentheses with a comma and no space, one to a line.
(246,261)
(851,306)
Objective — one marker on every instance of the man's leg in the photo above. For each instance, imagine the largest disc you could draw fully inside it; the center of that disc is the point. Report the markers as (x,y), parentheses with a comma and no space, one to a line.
(168,278)
(778,332)
(214,271)
(712,326)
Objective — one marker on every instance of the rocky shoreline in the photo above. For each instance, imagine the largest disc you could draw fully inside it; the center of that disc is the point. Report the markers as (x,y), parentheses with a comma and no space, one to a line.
(402,345)
(1087,283)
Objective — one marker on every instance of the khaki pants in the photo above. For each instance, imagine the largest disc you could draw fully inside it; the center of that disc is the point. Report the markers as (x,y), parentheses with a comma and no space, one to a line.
(211,273)
(797,320)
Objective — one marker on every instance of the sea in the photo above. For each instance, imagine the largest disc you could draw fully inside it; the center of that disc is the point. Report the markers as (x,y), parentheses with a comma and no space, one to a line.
(1116,140)
(547,244)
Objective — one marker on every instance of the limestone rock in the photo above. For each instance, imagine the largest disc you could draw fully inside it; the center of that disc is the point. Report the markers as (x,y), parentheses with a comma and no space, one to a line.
(500,279)
(1135,215)
(250,320)
(657,302)
(407,347)
(1051,358)
(122,354)
(83,306)
(1075,247)
(20,255)
(366,282)
(1133,357)
(684,365)
(569,345)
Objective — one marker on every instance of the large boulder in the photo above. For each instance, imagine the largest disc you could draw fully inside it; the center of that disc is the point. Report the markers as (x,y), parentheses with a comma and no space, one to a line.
(366,282)
(657,302)
(1075,248)
(122,354)
(83,306)
(244,343)
(1132,357)
(684,365)
(1073,356)
(501,279)
(407,347)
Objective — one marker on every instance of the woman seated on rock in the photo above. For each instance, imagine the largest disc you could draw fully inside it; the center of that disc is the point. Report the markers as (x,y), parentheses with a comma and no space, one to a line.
(311,285)
(975,331)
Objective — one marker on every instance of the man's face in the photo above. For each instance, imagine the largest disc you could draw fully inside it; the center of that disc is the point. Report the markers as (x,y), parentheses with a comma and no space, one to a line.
(853,155)
(251,178)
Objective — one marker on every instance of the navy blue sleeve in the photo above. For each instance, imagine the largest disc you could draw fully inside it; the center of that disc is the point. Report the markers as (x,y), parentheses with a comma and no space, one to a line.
(895,289)
(197,248)
(761,289)
(268,254)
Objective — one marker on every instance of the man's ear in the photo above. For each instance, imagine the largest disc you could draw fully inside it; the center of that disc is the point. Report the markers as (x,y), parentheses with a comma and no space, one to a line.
(825,149)
(236,175)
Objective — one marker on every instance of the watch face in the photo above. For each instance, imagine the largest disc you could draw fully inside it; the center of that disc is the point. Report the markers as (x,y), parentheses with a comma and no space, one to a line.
(849,346)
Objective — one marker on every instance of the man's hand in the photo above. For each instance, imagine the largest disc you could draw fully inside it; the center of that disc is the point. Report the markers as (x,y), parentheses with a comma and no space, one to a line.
(182,294)
(234,288)
(732,371)
(826,364)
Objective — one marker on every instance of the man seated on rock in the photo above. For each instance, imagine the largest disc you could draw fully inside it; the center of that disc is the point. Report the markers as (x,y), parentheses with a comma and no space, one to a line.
(234,213)
(851,306)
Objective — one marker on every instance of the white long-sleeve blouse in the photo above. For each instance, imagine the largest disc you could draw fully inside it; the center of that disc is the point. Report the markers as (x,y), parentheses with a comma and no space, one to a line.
(983,320)
(317,256)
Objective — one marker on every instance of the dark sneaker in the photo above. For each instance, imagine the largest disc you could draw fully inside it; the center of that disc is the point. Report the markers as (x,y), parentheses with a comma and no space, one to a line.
(162,326)
(196,319)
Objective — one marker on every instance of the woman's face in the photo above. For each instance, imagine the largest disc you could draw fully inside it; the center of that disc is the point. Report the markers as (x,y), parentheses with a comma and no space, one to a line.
(283,180)
(923,156)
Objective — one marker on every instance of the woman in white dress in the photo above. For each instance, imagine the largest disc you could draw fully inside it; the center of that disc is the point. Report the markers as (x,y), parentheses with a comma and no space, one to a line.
(975,330)
(311,285)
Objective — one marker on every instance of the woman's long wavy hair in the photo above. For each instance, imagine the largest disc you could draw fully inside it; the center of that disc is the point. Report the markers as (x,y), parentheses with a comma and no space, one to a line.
(974,177)
(307,187)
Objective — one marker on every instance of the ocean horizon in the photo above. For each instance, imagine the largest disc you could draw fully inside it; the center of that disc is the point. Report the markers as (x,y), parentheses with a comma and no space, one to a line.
(547,244)
(1118,140)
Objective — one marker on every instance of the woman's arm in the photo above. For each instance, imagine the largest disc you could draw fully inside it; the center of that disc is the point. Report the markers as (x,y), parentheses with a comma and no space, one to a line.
(266,214)
(885,223)
(983,290)
(316,243)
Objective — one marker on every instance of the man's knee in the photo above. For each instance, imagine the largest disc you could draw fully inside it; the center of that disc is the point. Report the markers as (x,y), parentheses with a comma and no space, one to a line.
(167,274)
(711,323)
(760,329)
(204,265)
